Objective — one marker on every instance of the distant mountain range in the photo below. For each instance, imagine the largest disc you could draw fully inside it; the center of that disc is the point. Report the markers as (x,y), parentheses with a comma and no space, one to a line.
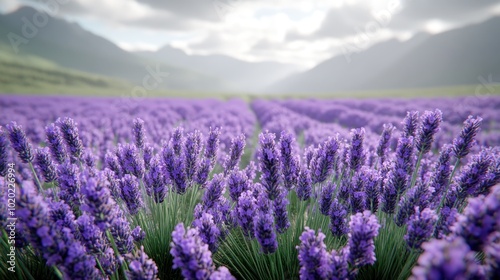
(455,57)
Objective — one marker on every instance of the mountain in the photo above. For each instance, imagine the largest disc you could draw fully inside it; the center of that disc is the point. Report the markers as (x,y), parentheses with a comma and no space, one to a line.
(246,76)
(69,45)
(456,57)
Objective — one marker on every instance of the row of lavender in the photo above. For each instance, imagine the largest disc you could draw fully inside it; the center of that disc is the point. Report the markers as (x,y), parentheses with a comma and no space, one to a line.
(316,118)
(347,177)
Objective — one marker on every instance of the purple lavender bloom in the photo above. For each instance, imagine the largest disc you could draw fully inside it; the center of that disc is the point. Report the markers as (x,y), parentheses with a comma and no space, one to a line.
(111,161)
(70,133)
(155,182)
(208,231)
(177,140)
(304,185)
(89,159)
(480,219)
(131,194)
(222,273)
(138,234)
(314,259)
(490,179)
(139,133)
(69,183)
(389,194)
(441,175)
(264,231)
(383,144)
(190,254)
(148,155)
(280,211)
(363,228)
(251,171)
(371,185)
(108,261)
(19,142)
(236,150)
(356,154)
(122,235)
(403,165)
(410,124)
(237,183)
(141,267)
(322,164)
(269,165)
(446,220)
(191,153)
(339,267)
(464,142)
(91,236)
(429,127)
(113,183)
(131,161)
(4,143)
(325,199)
(62,217)
(55,143)
(420,227)
(418,196)
(443,259)
(174,167)
(212,145)
(214,191)
(58,247)
(309,154)
(43,161)
(338,219)
(245,210)
(203,171)
(98,201)
(289,163)
(469,180)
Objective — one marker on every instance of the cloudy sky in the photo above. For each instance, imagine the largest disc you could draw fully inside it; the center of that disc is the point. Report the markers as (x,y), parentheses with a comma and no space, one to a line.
(302,32)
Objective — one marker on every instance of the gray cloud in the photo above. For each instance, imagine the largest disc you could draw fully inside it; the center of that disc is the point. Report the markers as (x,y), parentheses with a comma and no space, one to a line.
(195,9)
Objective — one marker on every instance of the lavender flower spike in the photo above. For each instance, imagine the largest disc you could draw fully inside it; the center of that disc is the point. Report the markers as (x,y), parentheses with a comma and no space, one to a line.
(233,159)
(264,231)
(269,165)
(363,228)
(338,219)
(289,164)
(141,267)
(246,209)
(356,154)
(322,164)
(191,153)
(131,194)
(45,164)
(443,259)
(222,273)
(304,186)
(429,127)
(70,133)
(19,142)
(208,231)
(190,254)
(131,161)
(55,143)
(420,227)
(313,257)
(383,144)
(464,142)
(469,180)
(325,199)
(139,133)
(410,124)
(280,212)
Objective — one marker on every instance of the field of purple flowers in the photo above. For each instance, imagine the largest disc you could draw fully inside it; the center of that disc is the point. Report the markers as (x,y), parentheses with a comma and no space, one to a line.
(266,189)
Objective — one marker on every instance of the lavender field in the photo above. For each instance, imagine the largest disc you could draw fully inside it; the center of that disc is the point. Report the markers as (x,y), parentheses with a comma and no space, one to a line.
(93,188)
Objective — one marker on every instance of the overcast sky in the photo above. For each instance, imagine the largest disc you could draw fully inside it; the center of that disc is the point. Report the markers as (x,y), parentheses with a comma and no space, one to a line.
(302,32)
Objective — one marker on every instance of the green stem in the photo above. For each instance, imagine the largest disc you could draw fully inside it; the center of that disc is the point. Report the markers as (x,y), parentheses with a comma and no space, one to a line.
(58,272)
(39,185)
(443,197)
(415,172)
(117,253)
